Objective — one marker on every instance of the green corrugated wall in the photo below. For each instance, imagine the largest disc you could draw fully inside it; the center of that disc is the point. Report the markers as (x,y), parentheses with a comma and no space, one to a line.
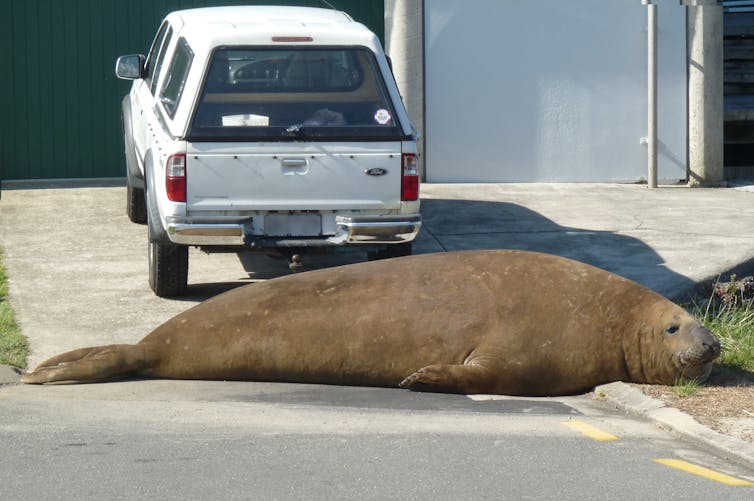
(59,98)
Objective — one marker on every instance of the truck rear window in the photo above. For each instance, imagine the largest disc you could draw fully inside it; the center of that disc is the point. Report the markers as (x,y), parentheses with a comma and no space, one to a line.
(294,93)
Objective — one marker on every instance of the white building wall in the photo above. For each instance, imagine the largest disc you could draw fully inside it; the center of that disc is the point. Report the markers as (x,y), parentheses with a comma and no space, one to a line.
(550,91)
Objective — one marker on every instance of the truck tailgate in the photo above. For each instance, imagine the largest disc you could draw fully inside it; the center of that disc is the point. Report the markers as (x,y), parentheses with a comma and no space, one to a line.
(293,176)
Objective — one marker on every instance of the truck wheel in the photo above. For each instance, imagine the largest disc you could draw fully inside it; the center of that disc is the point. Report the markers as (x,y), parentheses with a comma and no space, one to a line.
(395,250)
(136,205)
(168,269)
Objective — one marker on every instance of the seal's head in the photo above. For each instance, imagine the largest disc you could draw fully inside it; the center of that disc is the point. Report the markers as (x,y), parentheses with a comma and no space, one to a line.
(695,349)
(688,349)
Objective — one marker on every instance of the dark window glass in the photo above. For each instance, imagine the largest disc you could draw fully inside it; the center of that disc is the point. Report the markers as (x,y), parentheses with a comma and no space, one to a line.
(156,44)
(175,78)
(294,93)
(158,62)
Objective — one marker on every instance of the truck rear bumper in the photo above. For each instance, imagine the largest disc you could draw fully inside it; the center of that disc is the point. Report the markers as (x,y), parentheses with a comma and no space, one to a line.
(353,230)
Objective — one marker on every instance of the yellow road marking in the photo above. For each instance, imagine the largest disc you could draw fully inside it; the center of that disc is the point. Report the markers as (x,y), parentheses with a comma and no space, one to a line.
(703,472)
(590,431)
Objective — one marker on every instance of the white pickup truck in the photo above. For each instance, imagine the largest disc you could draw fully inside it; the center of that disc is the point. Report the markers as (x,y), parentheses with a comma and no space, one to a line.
(266,128)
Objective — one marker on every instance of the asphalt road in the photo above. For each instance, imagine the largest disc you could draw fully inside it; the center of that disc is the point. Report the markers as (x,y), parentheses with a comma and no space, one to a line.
(230,440)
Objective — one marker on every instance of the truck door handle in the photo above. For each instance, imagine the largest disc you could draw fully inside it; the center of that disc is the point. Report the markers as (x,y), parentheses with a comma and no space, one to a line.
(292,163)
(294,166)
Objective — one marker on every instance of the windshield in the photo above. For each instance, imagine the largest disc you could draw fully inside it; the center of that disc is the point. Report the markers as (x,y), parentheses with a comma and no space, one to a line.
(294,93)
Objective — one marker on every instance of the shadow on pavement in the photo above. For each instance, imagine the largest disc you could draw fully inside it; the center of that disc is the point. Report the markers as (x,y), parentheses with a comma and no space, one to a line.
(452,225)
(261,267)
(471,224)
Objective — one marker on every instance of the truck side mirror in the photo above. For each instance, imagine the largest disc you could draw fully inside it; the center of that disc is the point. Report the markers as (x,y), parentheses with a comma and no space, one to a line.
(130,67)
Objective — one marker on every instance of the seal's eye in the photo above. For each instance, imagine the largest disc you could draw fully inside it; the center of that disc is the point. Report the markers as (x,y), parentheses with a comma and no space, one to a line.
(672,329)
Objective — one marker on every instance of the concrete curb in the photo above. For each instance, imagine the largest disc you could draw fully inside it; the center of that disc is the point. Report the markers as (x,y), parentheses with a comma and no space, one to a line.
(635,401)
(9,375)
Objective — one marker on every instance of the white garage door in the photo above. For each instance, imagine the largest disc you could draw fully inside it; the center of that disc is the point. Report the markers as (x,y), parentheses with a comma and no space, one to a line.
(547,90)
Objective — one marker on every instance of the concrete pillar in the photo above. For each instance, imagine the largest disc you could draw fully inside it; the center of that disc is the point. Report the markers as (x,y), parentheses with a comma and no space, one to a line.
(705,63)
(404,43)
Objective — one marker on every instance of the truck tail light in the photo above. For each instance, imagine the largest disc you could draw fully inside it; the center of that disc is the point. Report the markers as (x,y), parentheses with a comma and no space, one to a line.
(175,177)
(409,178)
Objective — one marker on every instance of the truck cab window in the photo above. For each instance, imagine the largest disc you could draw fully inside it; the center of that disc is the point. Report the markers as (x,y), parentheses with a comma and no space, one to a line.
(153,50)
(155,71)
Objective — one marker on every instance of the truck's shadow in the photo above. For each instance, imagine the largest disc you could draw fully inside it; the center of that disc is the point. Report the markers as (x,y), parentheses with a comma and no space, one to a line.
(259,267)
(450,225)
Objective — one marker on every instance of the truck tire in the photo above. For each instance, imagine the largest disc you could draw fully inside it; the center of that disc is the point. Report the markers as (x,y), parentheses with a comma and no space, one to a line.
(168,269)
(136,205)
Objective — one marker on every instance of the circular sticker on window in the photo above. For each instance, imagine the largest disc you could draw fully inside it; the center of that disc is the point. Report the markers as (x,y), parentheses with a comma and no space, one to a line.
(382,116)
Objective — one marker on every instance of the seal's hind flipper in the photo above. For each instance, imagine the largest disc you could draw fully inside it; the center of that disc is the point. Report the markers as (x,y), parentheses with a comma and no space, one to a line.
(467,379)
(99,363)
(68,356)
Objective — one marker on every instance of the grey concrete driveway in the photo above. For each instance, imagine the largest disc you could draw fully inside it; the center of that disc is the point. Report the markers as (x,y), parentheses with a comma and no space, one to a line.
(78,267)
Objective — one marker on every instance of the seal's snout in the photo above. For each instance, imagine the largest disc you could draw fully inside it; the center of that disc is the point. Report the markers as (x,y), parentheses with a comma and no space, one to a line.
(703,349)
(710,344)
(713,349)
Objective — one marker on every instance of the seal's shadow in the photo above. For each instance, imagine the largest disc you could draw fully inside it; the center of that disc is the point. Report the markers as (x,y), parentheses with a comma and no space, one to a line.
(724,375)
(450,225)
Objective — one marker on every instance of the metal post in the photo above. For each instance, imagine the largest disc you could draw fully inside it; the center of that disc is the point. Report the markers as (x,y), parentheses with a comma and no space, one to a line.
(651,94)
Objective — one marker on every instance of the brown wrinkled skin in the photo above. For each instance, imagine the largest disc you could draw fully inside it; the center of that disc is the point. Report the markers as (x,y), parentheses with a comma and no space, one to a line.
(508,322)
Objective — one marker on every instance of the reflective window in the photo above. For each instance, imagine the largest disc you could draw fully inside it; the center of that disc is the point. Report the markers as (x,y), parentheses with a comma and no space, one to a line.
(175,78)
(153,50)
(154,69)
(294,93)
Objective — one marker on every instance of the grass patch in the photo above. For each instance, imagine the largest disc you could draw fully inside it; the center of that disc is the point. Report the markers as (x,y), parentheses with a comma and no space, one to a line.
(735,329)
(14,348)
(686,387)
(733,323)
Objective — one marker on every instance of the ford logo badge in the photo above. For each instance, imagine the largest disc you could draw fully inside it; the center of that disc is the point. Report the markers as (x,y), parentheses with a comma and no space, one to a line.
(375,171)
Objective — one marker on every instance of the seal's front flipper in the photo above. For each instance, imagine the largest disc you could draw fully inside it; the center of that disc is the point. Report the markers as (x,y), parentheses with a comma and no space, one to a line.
(100,363)
(466,379)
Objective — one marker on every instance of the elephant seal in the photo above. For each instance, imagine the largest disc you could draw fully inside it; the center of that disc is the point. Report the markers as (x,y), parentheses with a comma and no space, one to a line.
(506,321)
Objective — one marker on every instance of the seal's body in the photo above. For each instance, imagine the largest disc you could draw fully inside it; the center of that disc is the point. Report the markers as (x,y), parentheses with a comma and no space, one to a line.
(509,322)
